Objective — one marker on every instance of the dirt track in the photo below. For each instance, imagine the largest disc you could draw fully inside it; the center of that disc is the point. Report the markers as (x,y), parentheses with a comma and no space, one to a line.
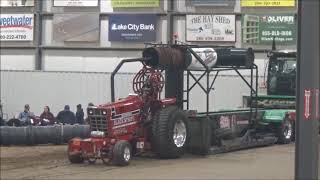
(50,162)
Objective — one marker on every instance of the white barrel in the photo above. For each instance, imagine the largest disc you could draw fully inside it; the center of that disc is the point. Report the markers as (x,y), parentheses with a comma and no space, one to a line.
(207,55)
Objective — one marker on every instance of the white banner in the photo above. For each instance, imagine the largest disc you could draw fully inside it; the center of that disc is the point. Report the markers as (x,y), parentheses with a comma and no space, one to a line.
(16,27)
(75,3)
(16,3)
(211,28)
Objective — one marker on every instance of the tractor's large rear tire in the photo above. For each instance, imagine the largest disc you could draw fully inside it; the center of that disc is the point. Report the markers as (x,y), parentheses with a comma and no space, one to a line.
(285,132)
(169,132)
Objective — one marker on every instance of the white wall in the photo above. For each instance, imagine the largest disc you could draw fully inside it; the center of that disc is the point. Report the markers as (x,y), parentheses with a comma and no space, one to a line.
(17,59)
(57,89)
(88,61)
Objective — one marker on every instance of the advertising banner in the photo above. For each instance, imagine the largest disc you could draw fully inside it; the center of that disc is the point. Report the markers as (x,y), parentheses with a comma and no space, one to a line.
(75,3)
(135,3)
(267,3)
(128,27)
(213,2)
(16,27)
(76,27)
(16,3)
(211,28)
(261,29)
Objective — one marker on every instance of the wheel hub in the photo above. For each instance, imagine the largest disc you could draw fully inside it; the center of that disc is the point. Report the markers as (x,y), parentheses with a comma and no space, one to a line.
(126,154)
(287,131)
(179,133)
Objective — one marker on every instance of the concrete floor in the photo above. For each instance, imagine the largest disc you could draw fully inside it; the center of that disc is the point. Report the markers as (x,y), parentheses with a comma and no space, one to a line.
(50,162)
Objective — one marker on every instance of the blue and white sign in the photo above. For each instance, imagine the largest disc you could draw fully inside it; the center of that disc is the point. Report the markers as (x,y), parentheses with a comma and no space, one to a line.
(125,27)
(16,27)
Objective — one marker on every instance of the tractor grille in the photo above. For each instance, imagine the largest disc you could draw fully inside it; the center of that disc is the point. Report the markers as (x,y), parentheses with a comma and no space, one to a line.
(98,120)
(286,85)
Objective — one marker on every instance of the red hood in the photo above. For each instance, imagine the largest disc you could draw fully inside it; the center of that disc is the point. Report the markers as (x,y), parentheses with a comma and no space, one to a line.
(131,99)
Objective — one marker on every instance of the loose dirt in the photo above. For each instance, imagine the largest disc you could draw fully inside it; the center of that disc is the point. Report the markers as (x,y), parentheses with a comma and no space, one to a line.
(50,162)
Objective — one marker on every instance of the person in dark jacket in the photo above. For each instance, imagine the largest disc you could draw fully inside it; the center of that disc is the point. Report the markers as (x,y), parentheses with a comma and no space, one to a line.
(66,116)
(47,118)
(79,115)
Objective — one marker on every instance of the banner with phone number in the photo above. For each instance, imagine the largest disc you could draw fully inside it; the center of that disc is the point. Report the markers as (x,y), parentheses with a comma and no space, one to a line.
(267,3)
(262,29)
(16,27)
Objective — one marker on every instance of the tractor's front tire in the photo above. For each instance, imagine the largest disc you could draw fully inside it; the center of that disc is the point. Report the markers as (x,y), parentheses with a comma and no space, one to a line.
(169,132)
(122,153)
(285,132)
(74,158)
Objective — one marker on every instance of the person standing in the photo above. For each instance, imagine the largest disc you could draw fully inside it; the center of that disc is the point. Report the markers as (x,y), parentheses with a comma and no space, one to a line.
(66,116)
(47,118)
(79,115)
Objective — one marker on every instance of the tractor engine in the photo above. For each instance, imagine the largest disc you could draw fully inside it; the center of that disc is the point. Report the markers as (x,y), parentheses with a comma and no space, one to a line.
(148,84)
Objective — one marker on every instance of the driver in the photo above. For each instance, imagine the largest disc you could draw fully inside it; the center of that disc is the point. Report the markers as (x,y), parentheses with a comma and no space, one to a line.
(147,96)
(147,87)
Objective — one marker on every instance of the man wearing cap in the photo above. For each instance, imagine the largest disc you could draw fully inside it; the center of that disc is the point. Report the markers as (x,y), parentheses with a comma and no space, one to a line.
(66,116)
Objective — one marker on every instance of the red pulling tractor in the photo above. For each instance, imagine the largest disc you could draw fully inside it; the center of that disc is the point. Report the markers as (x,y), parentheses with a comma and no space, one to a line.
(135,124)
(143,122)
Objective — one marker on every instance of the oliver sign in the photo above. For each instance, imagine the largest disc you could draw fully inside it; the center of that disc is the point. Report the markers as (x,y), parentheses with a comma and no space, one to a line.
(261,29)
(128,27)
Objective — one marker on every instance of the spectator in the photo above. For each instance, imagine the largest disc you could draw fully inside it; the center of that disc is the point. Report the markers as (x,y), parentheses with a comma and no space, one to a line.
(25,116)
(66,116)
(47,118)
(79,115)
(2,122)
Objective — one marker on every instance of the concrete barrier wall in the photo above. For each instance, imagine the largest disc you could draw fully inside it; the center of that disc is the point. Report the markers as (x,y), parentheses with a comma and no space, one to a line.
(31,135)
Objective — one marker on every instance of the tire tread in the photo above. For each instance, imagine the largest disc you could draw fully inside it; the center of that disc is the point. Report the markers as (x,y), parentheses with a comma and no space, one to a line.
(160,129)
